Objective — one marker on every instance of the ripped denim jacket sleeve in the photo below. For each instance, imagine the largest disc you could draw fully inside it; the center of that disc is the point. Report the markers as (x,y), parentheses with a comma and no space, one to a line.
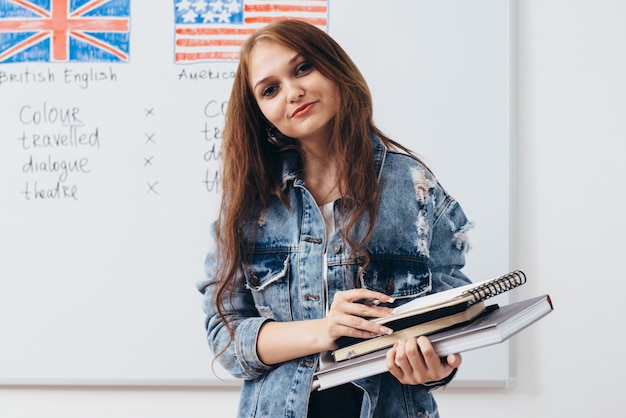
(238,357)
(447,252)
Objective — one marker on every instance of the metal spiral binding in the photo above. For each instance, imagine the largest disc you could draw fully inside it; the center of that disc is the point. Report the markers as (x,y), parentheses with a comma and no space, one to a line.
(496,286)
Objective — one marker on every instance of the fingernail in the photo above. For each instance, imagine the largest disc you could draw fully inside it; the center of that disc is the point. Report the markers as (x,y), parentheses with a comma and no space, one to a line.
(386,331)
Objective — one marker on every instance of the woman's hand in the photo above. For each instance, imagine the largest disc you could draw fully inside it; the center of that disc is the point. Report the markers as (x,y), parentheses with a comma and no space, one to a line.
(414,362)
(349,312)
(282,341)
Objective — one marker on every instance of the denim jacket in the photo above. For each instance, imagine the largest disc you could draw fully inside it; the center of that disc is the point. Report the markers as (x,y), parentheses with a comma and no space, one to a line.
(418,247)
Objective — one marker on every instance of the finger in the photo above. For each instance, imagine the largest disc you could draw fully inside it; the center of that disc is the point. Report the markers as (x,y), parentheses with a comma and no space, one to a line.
(431,359)
(454,360)
(365,311)
(392,366)
(411,356)
(356,326)
(348,314)
(341,323)
(409,361)
(362,294)
(438,368)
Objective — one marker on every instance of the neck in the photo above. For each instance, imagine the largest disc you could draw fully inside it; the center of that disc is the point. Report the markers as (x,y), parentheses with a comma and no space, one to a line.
(320,177)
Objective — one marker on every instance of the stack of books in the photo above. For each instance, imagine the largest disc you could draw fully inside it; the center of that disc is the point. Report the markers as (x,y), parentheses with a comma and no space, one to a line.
(455,321)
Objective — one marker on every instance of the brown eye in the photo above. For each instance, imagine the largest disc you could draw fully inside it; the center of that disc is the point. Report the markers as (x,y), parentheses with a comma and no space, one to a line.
(268,91)
(303,68)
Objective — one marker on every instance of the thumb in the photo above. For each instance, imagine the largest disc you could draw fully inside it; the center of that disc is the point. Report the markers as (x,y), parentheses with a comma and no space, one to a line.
(454,360)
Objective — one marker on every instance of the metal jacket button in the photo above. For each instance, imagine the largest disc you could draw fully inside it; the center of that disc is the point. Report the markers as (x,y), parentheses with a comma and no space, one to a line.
(254,280)
(390,287)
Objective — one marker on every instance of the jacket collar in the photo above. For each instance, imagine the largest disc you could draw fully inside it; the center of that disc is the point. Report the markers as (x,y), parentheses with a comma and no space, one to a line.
(292,163)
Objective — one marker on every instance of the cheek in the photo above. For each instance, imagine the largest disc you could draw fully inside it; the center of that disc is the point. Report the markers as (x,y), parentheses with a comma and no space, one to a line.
(334,94)
(271,112)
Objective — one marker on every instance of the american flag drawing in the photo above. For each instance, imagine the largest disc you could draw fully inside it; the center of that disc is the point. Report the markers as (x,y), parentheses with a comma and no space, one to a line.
(214,30)
(64,30)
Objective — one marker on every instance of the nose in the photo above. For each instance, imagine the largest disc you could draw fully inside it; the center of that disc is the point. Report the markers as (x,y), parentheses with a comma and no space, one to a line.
(294,91)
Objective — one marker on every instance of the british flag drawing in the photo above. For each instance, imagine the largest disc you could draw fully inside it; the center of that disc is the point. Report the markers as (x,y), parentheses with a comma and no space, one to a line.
(64,30)
(214,30)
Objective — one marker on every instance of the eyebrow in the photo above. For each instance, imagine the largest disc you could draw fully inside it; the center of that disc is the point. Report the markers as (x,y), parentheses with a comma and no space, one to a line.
(263,80)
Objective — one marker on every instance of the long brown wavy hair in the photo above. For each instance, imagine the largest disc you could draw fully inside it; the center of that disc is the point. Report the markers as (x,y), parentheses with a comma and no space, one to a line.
(251,165)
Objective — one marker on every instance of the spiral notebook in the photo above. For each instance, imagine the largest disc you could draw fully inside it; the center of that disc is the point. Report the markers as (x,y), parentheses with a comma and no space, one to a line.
(463,295)
(430,313)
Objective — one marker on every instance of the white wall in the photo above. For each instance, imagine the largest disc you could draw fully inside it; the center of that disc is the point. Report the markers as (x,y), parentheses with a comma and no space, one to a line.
(571,227)
(571,205)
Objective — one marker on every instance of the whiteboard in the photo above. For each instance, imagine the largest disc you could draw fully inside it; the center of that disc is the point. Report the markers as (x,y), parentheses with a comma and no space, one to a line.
(103,238)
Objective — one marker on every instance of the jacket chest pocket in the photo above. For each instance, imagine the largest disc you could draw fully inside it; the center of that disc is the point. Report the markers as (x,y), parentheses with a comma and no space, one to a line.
(403,278)
(267,277)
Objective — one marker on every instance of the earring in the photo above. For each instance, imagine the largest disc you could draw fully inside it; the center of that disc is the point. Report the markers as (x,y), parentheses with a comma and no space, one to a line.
(271,135)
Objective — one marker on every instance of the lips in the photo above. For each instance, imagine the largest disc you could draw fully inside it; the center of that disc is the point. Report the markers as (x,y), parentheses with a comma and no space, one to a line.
(302,110)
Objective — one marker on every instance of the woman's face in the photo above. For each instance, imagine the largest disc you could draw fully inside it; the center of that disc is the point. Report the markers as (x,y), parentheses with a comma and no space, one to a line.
(294,97)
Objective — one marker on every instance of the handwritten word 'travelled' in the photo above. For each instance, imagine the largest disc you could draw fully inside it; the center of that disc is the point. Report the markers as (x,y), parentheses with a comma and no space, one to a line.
(73,137)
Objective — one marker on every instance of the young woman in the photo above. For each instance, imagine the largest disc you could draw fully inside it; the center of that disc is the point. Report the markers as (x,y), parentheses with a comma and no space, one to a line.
(320,210)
